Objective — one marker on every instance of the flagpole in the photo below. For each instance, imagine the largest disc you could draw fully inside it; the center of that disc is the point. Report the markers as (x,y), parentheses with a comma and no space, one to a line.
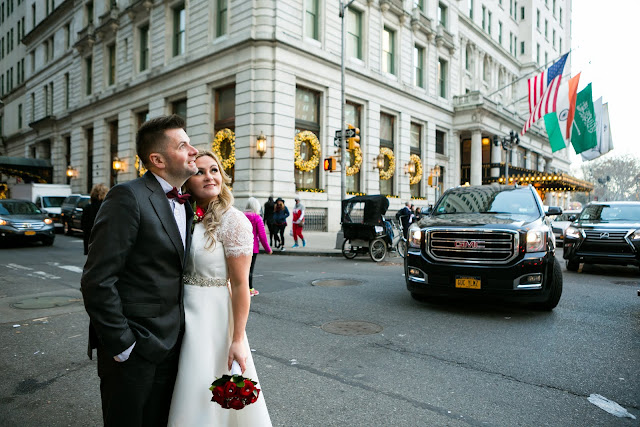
(527,75)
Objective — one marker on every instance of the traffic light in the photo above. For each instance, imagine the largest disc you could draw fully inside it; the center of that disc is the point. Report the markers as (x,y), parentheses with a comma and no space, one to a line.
(355,141)
(330,164)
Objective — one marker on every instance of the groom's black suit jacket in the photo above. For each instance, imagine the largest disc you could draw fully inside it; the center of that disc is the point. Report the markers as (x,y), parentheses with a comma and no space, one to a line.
(132,280)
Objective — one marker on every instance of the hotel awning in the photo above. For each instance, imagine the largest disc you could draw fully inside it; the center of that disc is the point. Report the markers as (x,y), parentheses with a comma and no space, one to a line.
(29,170)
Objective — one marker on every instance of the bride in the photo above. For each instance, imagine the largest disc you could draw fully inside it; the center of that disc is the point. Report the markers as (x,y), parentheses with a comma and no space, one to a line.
(215,312)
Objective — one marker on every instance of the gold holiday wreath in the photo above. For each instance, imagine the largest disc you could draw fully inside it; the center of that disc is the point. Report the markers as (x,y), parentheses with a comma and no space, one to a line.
(388,173)
(417,176)
(225,135)
(309,138)
(357,162)
(140,166)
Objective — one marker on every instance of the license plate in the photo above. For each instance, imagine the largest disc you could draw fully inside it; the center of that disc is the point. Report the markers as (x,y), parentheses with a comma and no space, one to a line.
(29,233)
(468,282)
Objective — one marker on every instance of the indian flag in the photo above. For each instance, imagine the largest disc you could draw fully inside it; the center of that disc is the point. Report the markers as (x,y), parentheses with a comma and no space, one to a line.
(560,122)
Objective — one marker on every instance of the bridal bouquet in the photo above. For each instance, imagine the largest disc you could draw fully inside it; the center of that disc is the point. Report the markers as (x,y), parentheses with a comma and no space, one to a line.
(234,391)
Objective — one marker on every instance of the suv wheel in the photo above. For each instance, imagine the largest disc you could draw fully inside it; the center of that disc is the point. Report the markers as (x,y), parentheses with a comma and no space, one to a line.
(572,265)
(555,289)
(48,241)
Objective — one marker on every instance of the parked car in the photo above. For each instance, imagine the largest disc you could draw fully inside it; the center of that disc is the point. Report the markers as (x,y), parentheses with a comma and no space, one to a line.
(560,223)
(488,240)
(604,233)
(22,220)
(47,197)
(71,212)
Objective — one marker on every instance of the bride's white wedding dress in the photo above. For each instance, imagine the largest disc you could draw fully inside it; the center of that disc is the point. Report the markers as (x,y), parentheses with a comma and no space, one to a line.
(209,329)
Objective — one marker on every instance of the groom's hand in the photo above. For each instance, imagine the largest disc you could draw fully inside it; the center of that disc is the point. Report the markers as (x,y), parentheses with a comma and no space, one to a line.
(122,357)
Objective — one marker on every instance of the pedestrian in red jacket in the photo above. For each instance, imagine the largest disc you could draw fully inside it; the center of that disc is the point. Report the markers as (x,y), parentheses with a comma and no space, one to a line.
(298,223)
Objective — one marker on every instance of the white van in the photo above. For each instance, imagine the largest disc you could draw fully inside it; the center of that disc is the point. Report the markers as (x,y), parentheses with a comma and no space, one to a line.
(47,197)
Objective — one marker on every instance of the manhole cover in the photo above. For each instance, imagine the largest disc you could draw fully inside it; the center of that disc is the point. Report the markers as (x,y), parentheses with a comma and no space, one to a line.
(44,302)
(335,282)
(347,327)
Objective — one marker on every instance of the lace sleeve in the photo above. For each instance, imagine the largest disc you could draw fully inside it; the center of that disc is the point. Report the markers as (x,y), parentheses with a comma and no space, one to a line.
(236,234)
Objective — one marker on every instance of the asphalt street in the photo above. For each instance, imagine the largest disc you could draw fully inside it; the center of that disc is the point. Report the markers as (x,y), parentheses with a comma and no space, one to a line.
(362,354)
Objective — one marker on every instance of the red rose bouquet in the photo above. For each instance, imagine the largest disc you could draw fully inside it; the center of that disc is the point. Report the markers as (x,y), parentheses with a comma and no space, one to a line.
(234,391)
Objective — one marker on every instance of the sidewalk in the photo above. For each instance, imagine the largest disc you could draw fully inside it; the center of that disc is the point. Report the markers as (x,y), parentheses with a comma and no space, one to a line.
(319,243)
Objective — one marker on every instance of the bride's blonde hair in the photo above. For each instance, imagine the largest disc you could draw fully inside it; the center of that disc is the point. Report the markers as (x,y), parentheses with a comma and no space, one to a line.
(218,206)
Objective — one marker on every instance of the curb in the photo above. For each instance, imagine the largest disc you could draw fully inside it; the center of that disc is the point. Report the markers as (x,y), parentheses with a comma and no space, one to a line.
(305,253)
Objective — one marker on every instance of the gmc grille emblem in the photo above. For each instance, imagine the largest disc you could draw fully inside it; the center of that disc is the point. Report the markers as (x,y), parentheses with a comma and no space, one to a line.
(474,244)
(604,235)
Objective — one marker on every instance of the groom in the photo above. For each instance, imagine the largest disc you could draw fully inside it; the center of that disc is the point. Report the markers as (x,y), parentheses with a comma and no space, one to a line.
(132,280)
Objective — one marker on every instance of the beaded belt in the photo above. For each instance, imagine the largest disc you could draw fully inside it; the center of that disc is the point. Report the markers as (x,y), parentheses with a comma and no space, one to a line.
(206,282)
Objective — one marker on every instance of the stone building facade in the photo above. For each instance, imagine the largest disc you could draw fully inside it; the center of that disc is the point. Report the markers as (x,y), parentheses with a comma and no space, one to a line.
(428,80)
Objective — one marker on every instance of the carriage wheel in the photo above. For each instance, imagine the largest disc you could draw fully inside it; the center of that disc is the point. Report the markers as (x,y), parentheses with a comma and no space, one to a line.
(402,248)
(378,250)
(348,251)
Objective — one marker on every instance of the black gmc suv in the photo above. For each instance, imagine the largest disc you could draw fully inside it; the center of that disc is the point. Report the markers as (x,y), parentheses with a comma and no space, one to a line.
(604,233)
(489,240)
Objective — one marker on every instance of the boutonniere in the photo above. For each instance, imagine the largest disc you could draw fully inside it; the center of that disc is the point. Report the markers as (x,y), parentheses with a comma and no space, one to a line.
(198,215)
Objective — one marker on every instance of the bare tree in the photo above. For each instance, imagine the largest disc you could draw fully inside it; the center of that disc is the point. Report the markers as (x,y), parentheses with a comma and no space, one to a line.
(614,177)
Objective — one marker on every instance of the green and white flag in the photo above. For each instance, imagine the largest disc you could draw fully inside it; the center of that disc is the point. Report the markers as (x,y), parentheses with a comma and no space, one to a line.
(602,132)
(583,136)
(560,122)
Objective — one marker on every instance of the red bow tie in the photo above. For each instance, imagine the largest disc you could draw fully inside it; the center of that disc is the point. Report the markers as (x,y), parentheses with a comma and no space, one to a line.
(180,198)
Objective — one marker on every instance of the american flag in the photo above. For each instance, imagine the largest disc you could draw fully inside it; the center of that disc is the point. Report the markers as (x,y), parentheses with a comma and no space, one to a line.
(543,92)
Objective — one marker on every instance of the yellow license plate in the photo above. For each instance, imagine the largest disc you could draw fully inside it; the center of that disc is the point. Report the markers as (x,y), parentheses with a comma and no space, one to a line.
(468,282)
(29,233)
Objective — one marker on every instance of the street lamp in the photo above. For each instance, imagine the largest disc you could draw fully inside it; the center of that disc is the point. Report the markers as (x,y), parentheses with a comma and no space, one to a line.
(117,166)
(71,172)
(261,144)
(343,126)
(508,143)
(378,162)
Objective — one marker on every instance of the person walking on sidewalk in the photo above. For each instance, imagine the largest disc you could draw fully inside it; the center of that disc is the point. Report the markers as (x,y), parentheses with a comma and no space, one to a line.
(252,213)
(298,223)
(280,215)
(269,207)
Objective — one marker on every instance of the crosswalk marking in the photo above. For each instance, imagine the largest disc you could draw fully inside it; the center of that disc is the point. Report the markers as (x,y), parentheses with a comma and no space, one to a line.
(30,272)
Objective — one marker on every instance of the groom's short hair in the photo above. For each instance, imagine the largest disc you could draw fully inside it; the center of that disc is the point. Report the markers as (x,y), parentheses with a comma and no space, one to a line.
(151,137)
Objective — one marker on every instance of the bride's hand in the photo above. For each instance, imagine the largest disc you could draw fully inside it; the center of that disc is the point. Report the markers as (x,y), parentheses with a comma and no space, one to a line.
(237,352)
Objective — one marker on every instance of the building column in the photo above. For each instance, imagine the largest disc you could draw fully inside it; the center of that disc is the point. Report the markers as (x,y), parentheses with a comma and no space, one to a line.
(496,157)
(476,157)
(527,160)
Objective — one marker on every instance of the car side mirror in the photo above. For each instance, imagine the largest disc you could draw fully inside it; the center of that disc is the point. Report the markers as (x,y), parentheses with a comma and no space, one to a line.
(573,217)
(554,210)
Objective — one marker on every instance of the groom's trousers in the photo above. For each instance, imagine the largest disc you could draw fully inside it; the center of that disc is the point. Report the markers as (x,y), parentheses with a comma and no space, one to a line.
(137,392)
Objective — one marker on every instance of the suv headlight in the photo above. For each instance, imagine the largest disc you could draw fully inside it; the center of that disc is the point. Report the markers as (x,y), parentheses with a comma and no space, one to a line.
(635,235)
(572,232)
(415,235)
(536,240)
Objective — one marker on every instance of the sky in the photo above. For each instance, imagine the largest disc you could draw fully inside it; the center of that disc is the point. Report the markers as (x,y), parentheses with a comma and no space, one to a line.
(604,48)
